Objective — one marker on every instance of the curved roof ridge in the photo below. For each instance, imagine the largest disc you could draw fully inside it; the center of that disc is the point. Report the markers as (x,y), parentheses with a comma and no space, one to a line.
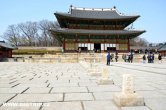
(114,9)
(93,9)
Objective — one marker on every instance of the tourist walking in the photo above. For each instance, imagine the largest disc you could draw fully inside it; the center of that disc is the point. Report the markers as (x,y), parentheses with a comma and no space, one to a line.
(124,57)
(152,58)
(108,58)
(148,57)
(112,56)
(116,57)
(127,58)
(131,57)
(160,58)
(144,59)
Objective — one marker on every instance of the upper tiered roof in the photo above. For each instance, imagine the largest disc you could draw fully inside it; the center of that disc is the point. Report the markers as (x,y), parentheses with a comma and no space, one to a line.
(95,13)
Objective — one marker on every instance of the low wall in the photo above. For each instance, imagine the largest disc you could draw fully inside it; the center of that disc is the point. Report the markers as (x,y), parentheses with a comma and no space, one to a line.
(73,57)
(40,48)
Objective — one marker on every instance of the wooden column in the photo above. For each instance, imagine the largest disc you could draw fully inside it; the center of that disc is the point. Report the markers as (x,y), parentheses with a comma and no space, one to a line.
(117,43)
(89,38)
(128,44)
(64,44)
(75,42)
(104,42)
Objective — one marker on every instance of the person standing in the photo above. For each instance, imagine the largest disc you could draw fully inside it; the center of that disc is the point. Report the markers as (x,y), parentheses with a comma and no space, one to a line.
(116,57)
(144,59)
(108,58)
(148,57)
(152,58)
(131,58)
(160,58)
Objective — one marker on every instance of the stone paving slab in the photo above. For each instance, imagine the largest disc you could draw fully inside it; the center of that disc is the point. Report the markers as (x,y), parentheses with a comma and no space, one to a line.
(38,90)
(87,84)
(156,104)
(3,85)
(136,108)
(151,94)
(63,106)
(103,95)
(33,85)
(162,91)
(63,85)
(99,105)
(5,97)
(37,98)
(144,87)
(69,89)
(12,90)
(106,88)
(17,106)
(78,97)
(68,86)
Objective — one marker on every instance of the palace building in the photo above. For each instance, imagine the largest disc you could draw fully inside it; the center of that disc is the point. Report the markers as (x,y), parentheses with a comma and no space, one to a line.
(99,30)
(5,50)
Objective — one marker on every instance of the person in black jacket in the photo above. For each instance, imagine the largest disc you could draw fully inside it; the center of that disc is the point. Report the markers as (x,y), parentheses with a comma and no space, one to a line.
(152,58)
(160,58)
(108,58)
(148,57)
(144,59)
(116,57)
(131,58)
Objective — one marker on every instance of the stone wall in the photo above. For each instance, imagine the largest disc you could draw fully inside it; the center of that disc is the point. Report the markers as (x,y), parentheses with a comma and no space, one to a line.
(74,57)
(41,48)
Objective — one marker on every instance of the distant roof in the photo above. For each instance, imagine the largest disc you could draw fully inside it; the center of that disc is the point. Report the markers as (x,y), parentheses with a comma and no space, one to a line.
(6,45)
(163,48)
(98,32)
(92,13)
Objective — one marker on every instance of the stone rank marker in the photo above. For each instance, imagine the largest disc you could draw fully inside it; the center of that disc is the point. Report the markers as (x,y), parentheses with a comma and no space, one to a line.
(128,97)
(105,79)
(94,70)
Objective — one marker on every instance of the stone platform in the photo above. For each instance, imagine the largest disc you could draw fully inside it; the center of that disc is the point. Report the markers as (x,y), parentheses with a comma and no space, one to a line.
(67,86)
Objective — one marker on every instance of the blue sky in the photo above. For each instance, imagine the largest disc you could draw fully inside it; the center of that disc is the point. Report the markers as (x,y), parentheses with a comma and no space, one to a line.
(153,13)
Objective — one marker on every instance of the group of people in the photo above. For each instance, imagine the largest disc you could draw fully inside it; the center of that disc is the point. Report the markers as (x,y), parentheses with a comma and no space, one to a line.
(151,58)
(128,57)
(110,58)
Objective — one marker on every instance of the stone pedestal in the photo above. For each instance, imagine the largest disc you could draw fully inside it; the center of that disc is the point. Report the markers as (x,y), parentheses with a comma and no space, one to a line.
(94,70)
(128,97)
(105,79)
(123,100)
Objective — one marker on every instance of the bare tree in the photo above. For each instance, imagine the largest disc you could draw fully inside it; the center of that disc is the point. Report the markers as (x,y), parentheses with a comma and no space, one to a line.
(139,42)
(12,35)
(29,30)
(48,38)
(32,34)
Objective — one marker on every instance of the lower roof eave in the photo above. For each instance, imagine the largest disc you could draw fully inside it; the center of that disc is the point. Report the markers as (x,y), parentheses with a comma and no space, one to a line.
(129,33)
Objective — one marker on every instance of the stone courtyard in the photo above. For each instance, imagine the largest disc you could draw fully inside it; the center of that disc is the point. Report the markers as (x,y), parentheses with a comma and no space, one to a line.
(67,86)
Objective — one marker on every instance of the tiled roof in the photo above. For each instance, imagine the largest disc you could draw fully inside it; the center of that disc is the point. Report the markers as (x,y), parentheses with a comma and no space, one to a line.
(95,14)
(98,32)
(162,48)
(6,45)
